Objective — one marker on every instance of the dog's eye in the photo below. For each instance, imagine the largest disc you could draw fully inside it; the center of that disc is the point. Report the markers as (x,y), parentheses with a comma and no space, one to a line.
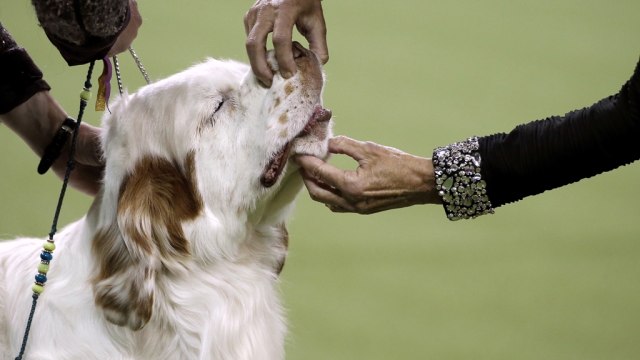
(218,106)
(211,120)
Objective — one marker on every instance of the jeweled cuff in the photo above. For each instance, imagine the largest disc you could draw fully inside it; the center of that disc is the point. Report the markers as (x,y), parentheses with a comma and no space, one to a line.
(459,180)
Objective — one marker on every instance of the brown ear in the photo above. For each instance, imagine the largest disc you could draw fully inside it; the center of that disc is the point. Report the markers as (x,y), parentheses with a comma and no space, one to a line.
(155,199)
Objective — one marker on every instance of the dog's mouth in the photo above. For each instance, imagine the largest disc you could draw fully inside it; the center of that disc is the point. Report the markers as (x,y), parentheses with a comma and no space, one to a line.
(274,168)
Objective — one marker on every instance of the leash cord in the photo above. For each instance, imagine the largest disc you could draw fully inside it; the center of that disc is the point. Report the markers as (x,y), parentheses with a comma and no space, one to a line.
(84,97)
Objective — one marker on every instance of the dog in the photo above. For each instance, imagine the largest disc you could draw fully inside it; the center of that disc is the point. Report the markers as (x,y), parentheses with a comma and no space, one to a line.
(180,253)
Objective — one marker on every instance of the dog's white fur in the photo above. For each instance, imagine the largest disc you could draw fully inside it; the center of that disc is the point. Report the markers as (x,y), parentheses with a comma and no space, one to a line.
(179,256)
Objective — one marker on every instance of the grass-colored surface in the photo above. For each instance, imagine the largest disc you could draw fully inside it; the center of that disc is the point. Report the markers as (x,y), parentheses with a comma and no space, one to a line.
(551,277)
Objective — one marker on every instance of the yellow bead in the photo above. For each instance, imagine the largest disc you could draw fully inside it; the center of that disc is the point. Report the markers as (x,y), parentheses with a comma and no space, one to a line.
(85,95)
(49,246)
(43,268)
(38,289)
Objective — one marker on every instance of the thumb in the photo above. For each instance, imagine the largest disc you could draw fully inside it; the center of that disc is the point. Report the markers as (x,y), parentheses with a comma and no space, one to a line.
(88,149)
(318,169)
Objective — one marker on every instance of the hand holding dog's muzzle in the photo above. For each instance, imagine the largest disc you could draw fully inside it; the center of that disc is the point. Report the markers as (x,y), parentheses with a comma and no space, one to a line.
(386,178)
(280,17)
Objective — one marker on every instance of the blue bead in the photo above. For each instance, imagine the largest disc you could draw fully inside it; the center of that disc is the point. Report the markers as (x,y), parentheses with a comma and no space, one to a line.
(41,278)
(47,256)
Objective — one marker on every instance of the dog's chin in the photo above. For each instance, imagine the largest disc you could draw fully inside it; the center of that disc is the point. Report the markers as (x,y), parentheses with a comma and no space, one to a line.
(311,140)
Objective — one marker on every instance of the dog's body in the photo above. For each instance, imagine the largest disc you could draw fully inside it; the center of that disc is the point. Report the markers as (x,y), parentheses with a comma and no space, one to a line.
(179,256)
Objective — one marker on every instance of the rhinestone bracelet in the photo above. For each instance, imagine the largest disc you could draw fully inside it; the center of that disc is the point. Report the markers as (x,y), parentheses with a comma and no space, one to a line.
(459,182)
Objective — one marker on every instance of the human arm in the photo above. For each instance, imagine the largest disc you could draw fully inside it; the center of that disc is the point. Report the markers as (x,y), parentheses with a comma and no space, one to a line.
(534,157)
(29,110)
(38,119)
(279,17)
(560,150)
(386,178)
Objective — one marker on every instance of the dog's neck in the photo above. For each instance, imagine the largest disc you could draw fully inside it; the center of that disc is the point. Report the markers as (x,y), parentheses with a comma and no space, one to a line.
(209,232)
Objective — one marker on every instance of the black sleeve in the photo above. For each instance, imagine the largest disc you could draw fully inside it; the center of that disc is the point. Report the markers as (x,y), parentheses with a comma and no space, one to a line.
(20,78)
(560,150)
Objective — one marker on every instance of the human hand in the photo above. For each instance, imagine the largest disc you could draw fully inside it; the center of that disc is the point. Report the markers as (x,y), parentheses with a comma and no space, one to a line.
(386,178)
(87,172)
(130,32)
(279,17)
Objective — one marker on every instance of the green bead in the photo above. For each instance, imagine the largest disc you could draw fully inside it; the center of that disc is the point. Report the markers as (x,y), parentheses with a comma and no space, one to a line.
(49,246)
(85,95)
(43,268)
(38,289)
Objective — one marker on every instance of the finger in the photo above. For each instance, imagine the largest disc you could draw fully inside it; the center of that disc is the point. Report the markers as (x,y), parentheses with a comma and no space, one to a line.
(337,209)
(86,179)
(317,38)
(348,146)
(257,50)
(130,31)
(88,149)
(324,195)
(308,162)
(320,170)
(249,21)
(282,44)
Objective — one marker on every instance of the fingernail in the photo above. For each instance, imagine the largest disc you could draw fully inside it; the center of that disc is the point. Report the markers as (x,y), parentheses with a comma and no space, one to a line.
(286,74)
(265,83)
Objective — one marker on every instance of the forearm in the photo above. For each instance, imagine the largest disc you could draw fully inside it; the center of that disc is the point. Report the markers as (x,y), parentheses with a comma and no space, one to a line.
(25,104)
(560,150)
(479,174)
(35,120)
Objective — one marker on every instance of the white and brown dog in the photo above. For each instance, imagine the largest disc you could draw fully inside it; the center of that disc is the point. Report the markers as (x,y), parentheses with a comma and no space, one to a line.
(179,256)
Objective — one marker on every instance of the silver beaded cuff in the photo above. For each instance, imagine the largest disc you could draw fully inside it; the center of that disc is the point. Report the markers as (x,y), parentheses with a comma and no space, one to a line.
(459,182)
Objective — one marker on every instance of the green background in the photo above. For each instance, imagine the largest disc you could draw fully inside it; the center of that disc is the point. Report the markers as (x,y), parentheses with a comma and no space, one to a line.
(551,277)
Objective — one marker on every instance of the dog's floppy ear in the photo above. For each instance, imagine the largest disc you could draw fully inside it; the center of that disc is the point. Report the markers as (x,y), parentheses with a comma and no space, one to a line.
(146,238)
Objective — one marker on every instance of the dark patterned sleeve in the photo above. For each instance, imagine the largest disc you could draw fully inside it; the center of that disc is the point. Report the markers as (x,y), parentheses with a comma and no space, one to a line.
(82,30)
(546,154)
(20,78)
(481,173)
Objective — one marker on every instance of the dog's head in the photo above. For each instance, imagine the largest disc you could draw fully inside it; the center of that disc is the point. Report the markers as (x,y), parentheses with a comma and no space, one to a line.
(207,143)
(238,133)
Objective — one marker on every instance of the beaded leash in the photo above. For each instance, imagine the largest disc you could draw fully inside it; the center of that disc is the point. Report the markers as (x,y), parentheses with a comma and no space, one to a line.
(49,245)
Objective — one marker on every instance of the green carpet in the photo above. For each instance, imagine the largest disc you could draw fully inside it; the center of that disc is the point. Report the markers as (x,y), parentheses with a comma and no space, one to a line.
(551,277)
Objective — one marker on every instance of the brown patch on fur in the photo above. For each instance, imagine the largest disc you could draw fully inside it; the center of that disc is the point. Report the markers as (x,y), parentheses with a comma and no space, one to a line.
(154,200)
(288,88)
(277,102)
(159,190)
(284,133)
(284,239)
(112,256)
(119,285)
(310,72)
(283,119)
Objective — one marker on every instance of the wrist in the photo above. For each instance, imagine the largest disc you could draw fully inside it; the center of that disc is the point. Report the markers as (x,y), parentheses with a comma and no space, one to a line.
(419,178)
(429,178)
